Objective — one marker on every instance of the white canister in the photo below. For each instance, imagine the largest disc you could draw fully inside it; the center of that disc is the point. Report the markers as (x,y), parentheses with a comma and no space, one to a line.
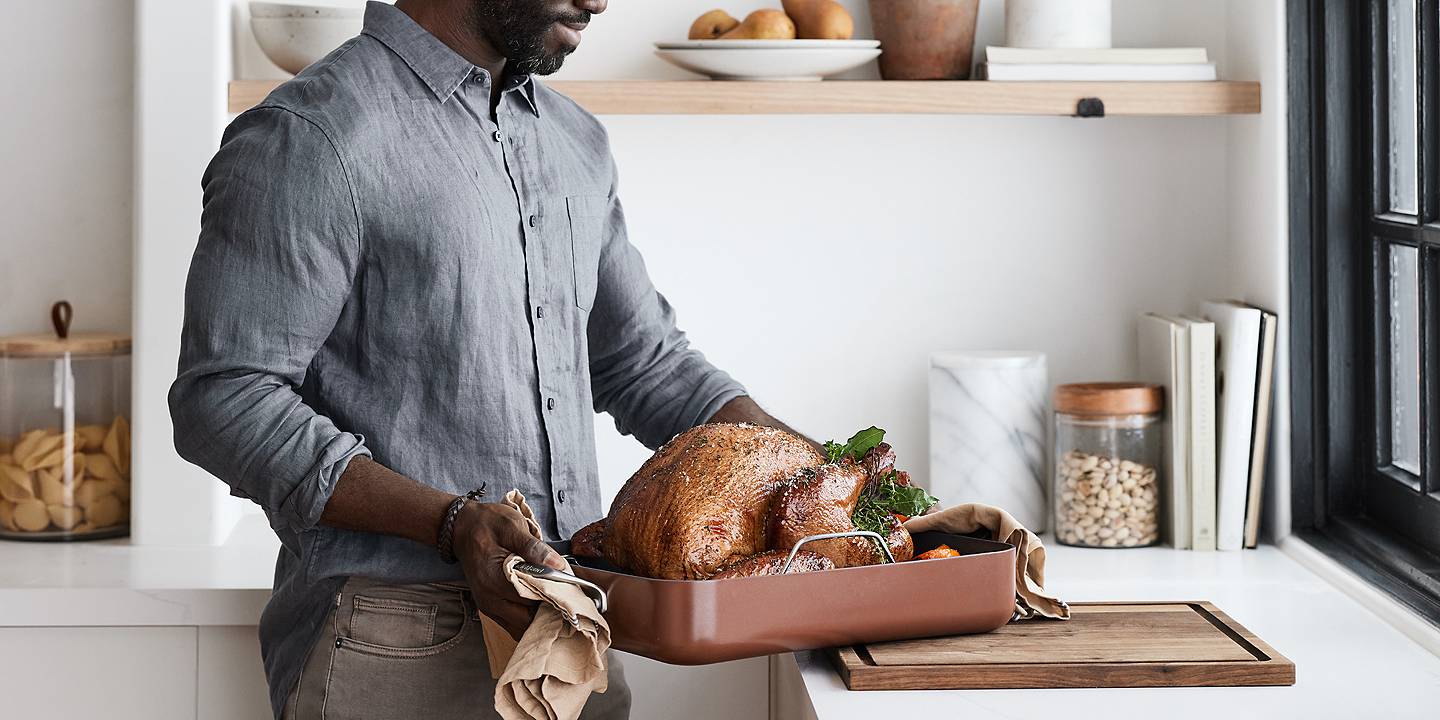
(989,416)
(1057,23)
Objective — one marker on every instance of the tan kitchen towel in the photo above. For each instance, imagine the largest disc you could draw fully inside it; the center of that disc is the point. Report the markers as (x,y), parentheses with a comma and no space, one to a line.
(1031,600)
(499,646)
(560,659)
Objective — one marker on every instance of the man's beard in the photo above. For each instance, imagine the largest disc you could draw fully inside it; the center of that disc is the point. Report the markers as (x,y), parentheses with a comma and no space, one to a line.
(517,28)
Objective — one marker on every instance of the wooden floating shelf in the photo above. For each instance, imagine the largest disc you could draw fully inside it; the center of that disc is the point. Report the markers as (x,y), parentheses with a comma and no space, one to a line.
(877,97)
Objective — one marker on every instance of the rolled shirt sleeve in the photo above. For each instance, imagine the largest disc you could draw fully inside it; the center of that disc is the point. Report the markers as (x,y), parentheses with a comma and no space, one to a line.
(278,253)
(643,370)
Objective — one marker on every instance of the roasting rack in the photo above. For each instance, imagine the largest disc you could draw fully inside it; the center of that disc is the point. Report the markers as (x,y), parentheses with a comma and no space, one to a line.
(879,541)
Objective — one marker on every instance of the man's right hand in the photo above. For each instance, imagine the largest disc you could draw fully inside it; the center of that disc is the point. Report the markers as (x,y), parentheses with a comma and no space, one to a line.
(485,535)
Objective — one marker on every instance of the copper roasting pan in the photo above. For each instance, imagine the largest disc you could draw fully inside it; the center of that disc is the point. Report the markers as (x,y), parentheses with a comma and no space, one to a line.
(695,622)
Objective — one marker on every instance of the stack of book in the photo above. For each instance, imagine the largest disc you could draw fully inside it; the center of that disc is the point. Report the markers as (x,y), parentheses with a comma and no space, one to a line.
(1096,64)
(1218,370)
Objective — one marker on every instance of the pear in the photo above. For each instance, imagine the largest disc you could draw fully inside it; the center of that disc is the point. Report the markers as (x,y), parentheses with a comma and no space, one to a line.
(766,24)
(712,25)
(820,19)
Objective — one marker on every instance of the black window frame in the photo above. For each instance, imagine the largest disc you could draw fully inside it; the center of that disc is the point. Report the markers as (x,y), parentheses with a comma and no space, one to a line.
(1346,497)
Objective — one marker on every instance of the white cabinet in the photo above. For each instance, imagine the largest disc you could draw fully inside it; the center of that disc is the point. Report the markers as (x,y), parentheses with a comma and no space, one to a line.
(214,673)
(139,673)
(726,691)
(98,672)
(230,680)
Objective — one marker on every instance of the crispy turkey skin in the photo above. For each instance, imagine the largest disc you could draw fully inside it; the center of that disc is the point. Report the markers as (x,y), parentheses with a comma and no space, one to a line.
(701,501)
(724,500)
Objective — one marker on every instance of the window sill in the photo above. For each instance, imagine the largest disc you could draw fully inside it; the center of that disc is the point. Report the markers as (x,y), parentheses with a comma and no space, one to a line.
(1363,590)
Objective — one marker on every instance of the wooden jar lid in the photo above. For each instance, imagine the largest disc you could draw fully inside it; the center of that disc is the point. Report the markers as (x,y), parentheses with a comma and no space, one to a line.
(33,346)
(1109,398)
(62,342)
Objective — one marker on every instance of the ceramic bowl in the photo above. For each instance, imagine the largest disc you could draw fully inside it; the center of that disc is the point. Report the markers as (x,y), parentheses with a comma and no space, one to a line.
(768,59)
(293,36)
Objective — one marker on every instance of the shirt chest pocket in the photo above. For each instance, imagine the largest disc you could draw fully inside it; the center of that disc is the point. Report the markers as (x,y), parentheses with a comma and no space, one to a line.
(587,217)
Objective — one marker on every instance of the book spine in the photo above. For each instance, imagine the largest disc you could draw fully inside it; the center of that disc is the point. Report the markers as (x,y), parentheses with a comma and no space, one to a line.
(1202,440)
(1264,388)
(1177,455)
(1130,56)
(1062,72)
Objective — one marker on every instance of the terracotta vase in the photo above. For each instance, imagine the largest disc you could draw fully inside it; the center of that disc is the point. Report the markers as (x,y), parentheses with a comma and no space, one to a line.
(925,39)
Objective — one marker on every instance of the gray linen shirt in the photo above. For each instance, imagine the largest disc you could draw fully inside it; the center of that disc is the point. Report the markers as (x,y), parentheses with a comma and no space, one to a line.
(384,269)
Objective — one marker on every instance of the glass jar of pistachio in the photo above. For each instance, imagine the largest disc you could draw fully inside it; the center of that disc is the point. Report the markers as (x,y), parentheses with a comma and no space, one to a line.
(1108,445)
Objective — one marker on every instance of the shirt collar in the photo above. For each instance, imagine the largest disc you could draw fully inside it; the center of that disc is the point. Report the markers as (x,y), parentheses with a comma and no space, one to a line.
(526,85)
(440,68)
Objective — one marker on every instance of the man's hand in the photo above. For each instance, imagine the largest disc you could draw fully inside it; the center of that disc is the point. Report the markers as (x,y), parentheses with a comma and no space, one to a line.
(373,498)
(486,534)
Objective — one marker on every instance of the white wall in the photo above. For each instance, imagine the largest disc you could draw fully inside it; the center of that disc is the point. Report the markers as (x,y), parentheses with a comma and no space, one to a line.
(824,280)
(1258,269)
(182,67)
(824,283)
(65,137)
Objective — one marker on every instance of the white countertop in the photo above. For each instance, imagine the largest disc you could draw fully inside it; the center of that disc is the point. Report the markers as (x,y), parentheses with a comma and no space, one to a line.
(1348,662)
(112,582)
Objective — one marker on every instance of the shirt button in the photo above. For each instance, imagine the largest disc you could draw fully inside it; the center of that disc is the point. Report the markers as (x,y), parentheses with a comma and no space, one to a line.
(550,404)
(540,311)
(498,136)
(534,220)
(561,497)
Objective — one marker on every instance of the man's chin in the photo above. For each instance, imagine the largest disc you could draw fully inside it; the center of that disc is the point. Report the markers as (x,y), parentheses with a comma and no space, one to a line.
(550,63)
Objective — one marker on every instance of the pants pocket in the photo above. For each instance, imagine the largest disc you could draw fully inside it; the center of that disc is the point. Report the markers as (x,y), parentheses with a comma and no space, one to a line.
(379,667)
(366,685)
(393,622)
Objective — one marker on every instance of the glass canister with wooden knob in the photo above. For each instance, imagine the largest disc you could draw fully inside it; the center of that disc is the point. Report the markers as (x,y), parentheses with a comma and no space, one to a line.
(64,434)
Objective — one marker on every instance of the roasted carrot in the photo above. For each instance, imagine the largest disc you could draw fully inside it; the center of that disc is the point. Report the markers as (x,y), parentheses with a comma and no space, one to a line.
(944,551)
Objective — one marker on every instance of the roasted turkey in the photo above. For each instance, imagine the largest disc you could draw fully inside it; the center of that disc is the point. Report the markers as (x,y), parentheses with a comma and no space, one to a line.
(726,500)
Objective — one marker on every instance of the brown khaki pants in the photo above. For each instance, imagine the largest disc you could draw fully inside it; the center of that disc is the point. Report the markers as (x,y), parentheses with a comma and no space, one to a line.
(411,651)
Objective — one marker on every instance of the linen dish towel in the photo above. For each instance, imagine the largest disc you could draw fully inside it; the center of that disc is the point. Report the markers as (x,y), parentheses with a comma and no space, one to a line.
(1031,599)
(551,671)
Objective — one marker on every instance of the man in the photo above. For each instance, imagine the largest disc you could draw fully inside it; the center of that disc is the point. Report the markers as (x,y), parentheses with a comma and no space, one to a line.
(412,282)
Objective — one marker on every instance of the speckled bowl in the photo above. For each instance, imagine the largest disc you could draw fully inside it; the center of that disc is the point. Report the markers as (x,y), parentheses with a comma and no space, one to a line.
(293,36)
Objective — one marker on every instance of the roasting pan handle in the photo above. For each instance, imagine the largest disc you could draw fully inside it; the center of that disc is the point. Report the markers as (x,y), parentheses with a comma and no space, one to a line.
(827,536)
(595,592)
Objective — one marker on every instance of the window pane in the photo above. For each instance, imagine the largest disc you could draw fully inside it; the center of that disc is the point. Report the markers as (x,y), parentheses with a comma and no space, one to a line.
(1403,157)
(1405,358)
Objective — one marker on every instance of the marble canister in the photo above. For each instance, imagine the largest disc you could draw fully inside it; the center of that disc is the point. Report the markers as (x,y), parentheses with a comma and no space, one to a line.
(1057,23)
(989,415)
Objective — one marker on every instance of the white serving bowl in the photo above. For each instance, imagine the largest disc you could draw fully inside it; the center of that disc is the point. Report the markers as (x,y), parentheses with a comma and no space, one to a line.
(768,59)
(293,36)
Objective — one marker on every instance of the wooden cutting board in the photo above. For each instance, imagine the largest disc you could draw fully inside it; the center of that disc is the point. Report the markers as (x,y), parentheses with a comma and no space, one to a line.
(1178,644)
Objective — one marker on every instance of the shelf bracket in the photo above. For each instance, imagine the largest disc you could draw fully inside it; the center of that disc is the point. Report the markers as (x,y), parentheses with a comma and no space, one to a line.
(1090,107)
